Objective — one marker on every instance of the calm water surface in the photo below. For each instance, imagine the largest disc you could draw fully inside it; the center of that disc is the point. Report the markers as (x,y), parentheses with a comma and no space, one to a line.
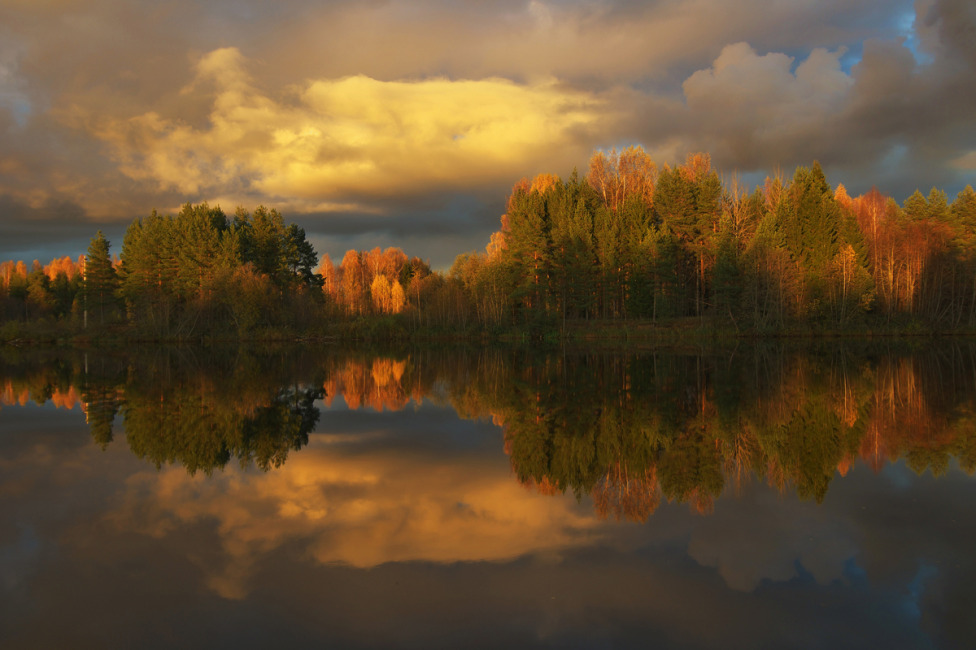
(494,498)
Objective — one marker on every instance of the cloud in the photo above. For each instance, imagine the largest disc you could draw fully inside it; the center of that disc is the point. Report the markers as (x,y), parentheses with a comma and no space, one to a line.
(895,119)
(13,96)
(334,142)
(794,537)
(598,43)
(356,510)
(385,108)
(53,227)
(966,162)
(955,22)
(757,108)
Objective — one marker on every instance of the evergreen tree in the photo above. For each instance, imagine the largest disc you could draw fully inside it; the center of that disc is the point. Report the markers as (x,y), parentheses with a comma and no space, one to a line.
(148,272)
(727,277)
(916,207)
(938,205)
(963,210)
(101,282)
(200,254)
(530,251)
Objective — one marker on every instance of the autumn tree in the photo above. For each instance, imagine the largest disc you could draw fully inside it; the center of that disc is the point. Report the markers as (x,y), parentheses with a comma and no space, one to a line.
(379,291)
(354,285)
(617,176)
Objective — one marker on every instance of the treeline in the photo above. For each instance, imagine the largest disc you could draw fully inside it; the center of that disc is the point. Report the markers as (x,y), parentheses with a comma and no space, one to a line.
(626,241)
(631,241)
(201,270)
(201,274)
(40,291)
(178,277)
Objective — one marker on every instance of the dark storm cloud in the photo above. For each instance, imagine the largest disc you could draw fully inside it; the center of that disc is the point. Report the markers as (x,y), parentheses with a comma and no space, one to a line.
(53,229)
(956,24)
(454,218)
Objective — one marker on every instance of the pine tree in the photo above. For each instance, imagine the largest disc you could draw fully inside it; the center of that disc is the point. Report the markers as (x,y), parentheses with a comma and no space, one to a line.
(727,283)
(101,282)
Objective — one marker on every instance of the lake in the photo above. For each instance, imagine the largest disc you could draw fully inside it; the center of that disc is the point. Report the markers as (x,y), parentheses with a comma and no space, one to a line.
(756,496)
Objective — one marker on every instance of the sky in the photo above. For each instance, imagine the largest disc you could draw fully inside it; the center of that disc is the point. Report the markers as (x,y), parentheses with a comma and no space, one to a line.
(392,123)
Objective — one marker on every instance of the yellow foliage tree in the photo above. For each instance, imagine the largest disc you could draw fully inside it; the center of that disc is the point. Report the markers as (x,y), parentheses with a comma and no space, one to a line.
(398,297)
(379,289)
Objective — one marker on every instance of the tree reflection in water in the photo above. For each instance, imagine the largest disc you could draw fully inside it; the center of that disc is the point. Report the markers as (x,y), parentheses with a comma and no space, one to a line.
(628,430)
(684,428)
(200,409)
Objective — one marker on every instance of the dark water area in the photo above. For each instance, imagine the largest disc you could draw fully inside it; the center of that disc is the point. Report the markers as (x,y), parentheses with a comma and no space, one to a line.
(292,497)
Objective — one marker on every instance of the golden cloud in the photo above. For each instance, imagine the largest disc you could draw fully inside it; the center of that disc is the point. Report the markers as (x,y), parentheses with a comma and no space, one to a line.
(360,510)
(966,162)
(334,140)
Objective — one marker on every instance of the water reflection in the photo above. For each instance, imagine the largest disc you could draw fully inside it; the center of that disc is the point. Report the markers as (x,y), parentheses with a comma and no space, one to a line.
(635,429)
(630,431)
(314,493)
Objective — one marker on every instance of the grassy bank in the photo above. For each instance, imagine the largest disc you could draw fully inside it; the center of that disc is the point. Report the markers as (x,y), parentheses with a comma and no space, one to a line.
(676,332)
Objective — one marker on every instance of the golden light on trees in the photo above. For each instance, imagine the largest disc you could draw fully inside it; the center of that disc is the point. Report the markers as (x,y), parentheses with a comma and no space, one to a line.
(617,175)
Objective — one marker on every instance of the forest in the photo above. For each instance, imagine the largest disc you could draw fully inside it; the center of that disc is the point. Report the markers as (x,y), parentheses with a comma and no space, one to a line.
(626,243)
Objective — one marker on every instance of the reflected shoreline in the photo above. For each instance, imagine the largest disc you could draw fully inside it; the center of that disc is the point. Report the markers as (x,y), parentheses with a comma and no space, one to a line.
(631,431)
